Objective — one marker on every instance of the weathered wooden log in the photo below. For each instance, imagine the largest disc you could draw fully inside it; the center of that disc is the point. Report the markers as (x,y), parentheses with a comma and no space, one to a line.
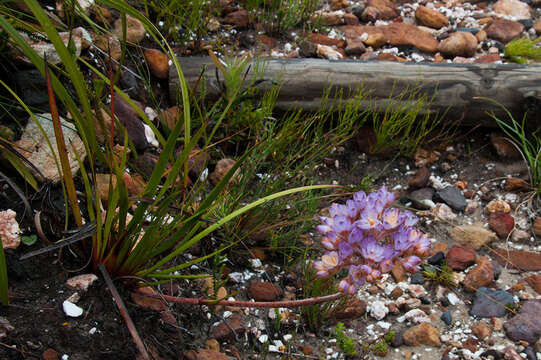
(455,89)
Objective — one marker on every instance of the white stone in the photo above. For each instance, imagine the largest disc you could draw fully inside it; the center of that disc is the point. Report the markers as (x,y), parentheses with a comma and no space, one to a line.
(328,52)
(236,277)
(150,136)
(378,310)
(71,309)
(417,316)
(263,338)
(453,299)
(256,263)
(81,282)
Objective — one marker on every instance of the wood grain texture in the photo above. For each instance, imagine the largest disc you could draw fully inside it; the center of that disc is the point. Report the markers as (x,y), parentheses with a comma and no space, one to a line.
(452,87)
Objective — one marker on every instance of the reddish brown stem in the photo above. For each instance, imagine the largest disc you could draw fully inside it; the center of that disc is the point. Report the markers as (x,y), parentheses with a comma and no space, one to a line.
(253,304)
(124,311)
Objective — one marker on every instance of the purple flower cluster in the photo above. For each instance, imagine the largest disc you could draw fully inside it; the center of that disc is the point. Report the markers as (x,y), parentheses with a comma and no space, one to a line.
(367,236)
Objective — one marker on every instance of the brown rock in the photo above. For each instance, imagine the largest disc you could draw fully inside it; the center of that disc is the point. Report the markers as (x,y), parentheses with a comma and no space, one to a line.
(212,344)
(385,8)
(513,183)
(536,227)
(398,271)
(355,47)
(222,167)
(481,275)
(222,332)
(501,223)
(239,19)
(264,291)
(535,282)
(460,257)
(329,18)
(520,10)
(49,354)
(207,354)
(407,34)
(135,31)
(396,34)
(102,14)
(422,334)
(390,57)
(424,157)
(431,18)
(473,235)
(350,19)
(420,179)
(488,58)
(497,323)
(109,44)
(370,14)
(459,43)
(396,293)
(522,260)
(169,117)
(376,40)
(321,39)
(158,63)
(339,4)
(481,330)
(470,344)
(498,205)
(481,36)
(149,302)
(354,308)
(504,30)
(504,147)
(439,247)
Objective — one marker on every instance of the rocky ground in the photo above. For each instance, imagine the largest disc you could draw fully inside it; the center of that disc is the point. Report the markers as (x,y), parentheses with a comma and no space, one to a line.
(473,203)
(417,31)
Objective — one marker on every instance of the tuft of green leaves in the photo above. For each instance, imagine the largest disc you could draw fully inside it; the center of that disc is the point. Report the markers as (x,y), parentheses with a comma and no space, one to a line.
(523,50)
(526,140)
(344,342)
(406,125)
(439,274)
(279,15)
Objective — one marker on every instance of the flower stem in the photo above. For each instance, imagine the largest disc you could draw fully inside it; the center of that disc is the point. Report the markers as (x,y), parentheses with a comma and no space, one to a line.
(251,304)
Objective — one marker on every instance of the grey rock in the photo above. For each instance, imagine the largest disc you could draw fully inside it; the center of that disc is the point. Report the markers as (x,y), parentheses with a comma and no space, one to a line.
(34,147)
(417,278)
(446,317)
(530,353)
(490,303)
(452,196)
(32,88)
(398,339)
(527,324)
(418,198)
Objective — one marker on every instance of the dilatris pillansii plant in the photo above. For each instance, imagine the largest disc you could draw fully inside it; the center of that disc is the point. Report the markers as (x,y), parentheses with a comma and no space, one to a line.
(367,236)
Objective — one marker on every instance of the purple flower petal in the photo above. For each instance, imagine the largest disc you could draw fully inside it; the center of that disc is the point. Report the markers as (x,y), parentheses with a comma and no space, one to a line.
(345,250)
